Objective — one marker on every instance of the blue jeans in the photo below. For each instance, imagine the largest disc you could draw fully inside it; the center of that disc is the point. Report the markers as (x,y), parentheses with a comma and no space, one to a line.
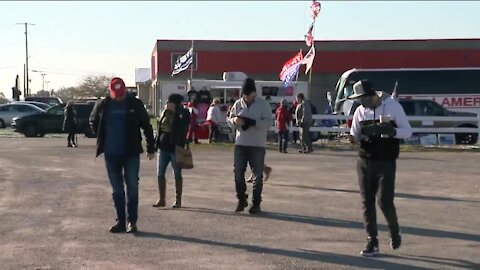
(282,140)
(255,156)
(120,169)
(163,159)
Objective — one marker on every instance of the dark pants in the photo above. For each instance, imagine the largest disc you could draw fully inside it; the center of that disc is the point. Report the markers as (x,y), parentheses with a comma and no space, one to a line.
(255,156)
(71,138)
(305,137)
(377,180)
(282,140)
(120,169)
(213,133)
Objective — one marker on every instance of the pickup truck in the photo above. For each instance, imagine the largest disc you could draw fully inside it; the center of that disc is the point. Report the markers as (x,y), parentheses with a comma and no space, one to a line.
(421,107)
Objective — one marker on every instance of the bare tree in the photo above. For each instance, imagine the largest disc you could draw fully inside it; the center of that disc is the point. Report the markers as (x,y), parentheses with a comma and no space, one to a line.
(65,93)
(93,86)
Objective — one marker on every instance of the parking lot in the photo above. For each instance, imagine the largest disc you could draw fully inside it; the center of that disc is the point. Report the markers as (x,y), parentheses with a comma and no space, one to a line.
(56,207)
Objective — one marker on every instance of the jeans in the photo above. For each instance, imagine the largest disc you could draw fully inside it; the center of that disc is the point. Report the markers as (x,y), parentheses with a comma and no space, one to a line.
(282,141)
(377,181)
(213,133)
(120,169)
(163,159)
(305,137)
(255,156)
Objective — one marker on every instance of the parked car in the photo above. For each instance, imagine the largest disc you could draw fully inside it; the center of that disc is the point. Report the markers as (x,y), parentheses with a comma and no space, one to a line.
(420,107)
(51,121)
(11,110)
(41,105)
(52,101)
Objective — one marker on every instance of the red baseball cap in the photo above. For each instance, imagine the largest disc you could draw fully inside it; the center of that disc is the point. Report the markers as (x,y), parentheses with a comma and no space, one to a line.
(117,87)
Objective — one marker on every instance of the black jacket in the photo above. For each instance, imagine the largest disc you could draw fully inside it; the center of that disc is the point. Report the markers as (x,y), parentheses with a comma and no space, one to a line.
(69,122)
(136,118)
(180,123)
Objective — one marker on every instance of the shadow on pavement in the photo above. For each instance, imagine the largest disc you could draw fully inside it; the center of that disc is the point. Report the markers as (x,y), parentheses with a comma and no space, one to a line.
(397,194)
(323,257)
(342,223)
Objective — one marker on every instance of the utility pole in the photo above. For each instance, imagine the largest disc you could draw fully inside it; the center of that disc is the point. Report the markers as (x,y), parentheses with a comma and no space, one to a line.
(43,81)
(26,90)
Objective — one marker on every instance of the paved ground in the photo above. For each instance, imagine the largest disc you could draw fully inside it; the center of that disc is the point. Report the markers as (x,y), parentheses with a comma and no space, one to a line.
(55,208)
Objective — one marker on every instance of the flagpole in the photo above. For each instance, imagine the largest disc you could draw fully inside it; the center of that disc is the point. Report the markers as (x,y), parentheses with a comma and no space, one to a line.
(191,67)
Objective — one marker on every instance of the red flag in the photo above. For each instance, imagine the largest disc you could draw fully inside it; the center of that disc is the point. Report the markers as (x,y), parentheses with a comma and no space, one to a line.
(291,66)
(309,36)
(315,9)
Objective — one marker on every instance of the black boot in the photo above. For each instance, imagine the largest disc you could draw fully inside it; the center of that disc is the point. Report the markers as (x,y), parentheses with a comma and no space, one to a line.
(255,209)
(242,203)
(178,191)
(162,186)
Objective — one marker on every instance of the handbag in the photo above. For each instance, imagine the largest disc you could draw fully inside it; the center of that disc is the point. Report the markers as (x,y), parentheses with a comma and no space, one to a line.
(183,156)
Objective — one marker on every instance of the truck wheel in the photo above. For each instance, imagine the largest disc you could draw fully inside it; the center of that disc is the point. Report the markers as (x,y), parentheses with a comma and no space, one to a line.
(30,130)
(466,138)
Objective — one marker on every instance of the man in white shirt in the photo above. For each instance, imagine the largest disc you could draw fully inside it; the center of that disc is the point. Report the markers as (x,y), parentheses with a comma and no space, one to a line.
(378,125)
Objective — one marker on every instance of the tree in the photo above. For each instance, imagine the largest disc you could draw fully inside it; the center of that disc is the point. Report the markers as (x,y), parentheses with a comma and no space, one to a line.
(93,86)
(65,93)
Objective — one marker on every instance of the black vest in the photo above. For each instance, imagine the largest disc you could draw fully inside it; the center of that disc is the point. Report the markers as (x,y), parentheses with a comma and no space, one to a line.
(378,148)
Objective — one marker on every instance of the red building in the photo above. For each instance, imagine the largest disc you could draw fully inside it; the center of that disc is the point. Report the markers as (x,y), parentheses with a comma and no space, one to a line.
(263,60)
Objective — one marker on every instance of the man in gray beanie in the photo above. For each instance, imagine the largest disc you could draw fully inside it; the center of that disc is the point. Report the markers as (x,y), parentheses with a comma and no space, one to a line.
(252,118)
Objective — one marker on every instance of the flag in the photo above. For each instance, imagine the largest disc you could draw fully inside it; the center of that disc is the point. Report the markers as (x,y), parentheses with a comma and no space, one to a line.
(183,62)
(308,59)
(291,68)
(309,35)
(315,9)
(394,91)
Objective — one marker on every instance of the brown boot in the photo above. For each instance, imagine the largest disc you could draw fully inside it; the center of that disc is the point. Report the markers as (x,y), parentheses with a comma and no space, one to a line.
(162,186)
(178,191)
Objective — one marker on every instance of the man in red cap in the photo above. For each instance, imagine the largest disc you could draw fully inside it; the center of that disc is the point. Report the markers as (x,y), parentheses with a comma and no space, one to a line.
(116,121)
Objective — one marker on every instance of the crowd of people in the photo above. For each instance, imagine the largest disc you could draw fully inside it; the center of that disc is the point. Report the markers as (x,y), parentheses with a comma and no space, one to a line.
(377,127)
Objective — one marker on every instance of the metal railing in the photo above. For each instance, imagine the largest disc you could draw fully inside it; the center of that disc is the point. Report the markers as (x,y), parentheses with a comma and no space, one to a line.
(425,129)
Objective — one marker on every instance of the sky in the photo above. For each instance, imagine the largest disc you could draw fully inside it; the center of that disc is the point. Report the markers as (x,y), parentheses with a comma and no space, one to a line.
(71,40)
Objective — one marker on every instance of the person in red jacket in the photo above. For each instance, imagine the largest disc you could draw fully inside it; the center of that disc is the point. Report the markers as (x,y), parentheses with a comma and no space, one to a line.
(283,119)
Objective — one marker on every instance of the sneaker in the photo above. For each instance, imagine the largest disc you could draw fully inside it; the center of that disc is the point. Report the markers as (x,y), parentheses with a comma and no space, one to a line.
(132,228)
(241,205)
(396,241)
(267,170)
(301,151)
(159,203)
(372,248)
(250,179)
(118,228)
(308,151)
(255,209)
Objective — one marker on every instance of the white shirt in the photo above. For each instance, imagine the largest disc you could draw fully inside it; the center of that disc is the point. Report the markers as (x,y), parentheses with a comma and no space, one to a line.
(390,107)
(214,113)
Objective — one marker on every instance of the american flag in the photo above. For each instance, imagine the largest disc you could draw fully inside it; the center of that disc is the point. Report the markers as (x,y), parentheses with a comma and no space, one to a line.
(309,36)
(315,9)
(290,69)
